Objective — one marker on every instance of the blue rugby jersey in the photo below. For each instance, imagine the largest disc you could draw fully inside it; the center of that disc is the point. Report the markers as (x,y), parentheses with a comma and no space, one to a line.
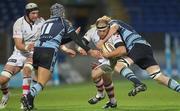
(53,32)
(129,35)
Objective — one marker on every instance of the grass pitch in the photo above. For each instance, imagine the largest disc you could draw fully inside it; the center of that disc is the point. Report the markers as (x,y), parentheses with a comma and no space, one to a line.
(74,98)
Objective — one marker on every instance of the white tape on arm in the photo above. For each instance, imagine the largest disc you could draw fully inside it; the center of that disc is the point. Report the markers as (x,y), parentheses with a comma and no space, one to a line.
(64,48)
(26,47)
(29,66)
(79,48)
(6,74)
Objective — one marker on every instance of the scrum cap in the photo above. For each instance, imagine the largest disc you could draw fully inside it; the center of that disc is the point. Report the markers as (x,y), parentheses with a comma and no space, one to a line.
(31,7)
(57,10)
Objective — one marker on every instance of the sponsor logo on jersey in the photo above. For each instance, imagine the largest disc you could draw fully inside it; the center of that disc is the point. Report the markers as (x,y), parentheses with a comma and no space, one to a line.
(12,60)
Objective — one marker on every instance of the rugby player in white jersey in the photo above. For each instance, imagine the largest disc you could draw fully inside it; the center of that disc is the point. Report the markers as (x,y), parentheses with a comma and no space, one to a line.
(106,66)
(26,31)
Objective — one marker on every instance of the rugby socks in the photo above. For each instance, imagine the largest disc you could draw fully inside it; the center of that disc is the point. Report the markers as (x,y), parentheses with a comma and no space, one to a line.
(33,82)
(99,83)
(4,89)
(110,92)
(174,85)
(128,74)
(36,89)
(26,85)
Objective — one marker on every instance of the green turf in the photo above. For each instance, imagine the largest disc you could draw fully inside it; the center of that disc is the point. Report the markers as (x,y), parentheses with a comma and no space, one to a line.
(74,98)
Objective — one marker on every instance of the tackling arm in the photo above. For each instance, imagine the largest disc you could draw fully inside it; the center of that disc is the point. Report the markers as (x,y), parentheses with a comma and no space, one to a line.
(69,51)
(81,42)
(120,51)
(113,29)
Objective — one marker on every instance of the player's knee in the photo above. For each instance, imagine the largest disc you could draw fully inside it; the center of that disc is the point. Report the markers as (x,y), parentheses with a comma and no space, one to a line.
(121,63)
(94,74)
(106,69)
(161,79)
(107,80)
(27,69)
(157,76)
(5,77)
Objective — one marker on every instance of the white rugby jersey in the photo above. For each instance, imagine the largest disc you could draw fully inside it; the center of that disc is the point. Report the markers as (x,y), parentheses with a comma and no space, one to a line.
(29,33)
(92,35)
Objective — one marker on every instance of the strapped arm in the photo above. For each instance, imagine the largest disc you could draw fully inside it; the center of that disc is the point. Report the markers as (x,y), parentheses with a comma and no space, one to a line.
(81,42)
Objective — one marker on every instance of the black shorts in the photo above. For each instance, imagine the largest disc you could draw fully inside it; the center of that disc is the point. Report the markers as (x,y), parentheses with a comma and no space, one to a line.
(44,57)
(142,55)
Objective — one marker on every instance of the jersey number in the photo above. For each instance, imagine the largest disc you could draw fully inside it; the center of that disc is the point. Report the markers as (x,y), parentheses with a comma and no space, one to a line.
(46,28)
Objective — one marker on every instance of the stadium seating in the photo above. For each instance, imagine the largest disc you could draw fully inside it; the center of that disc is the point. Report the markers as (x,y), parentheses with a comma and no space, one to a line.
(154,15)
(10,10)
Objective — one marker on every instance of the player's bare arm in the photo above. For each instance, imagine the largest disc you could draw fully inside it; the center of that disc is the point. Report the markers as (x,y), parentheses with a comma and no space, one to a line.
(21,46)
(120,51)
(68,51)
(78,30)
(81,51)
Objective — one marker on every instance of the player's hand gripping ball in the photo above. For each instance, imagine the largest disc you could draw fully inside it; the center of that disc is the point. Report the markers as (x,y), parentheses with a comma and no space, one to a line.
(107,48)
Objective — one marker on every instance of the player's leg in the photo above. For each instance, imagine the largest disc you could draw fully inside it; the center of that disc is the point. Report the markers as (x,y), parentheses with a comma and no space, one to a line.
(109,87)
(44,60)
(5,95)
(43,77)
(27,71)
(122,67)
(148,62)
(34,78)
(98,81)
(5,76)
(156,74)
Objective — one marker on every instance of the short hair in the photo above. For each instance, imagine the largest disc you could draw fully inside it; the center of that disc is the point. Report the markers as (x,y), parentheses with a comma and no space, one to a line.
(107,18)
(102,24)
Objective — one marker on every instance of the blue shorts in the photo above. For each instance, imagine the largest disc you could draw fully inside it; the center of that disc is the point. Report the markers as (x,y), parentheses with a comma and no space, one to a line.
(142,55)
(44,57)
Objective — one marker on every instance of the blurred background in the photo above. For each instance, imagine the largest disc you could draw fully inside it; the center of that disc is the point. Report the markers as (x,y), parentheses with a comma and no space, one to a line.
(156,20)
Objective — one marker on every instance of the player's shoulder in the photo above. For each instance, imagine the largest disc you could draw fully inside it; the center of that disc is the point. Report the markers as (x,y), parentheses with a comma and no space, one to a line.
(41,19)
(19,20)
(113,21)
(67,22)
(52,19)
(92,30)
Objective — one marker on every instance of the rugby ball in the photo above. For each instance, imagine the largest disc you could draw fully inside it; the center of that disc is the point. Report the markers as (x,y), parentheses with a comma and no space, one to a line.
(107,47)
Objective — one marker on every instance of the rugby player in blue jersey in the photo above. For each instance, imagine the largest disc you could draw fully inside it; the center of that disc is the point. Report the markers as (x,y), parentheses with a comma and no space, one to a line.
(55,32)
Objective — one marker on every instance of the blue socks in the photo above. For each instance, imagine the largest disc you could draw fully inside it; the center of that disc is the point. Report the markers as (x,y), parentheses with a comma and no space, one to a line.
(172,84)
(36,89)
(128,74)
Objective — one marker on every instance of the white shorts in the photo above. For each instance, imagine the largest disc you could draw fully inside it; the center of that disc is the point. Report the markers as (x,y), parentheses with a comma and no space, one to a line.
(107,65)
(103,61)
(16,59)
